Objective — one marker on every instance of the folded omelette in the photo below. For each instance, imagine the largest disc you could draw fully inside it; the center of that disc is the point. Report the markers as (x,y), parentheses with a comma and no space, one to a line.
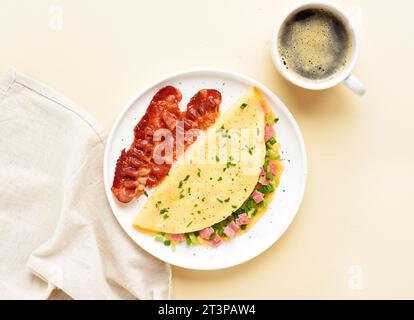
(216,175)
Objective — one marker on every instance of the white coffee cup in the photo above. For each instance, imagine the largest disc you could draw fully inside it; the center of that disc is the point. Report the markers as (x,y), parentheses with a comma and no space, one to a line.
(345,75)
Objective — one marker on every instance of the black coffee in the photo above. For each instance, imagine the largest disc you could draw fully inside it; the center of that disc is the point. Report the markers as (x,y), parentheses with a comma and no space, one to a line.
(315,44)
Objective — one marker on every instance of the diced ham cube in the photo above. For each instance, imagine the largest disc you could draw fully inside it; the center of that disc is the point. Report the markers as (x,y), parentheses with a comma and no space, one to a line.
(228,231)
(269,132)
(206,233)
(257,196)
(177,236)
(234,226)
(263,173)
(243,219)
(216,241)
(263,181)
(273,169)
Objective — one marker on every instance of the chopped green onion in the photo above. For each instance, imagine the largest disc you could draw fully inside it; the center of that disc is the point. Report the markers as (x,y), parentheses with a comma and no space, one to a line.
(270,120)
(243,227)
(272,141)
(192,237)
(266,189)
(271,154)
(251,212)
(159,237)
(251,204)
(167,243)
(269,176)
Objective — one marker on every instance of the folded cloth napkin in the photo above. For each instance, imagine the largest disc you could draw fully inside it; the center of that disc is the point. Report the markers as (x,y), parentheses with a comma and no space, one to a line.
(57,229)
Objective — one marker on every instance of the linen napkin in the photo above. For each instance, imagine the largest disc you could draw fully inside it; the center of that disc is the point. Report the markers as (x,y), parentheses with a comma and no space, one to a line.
(57,229)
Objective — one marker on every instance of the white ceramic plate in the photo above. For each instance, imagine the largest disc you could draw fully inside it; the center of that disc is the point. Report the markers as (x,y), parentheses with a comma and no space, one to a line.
(281,211)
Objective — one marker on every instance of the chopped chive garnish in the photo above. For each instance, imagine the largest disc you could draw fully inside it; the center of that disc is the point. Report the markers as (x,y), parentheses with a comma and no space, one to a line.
(164,210)
(181,196)
(276,120)
(180,185)
(217,158)
(145,193)
(189,224)
(203,199)
(219,200)
(220,178)
(229,164)
(187,177)
(251,212)
(234,207)
(227,200)
(166,216)
(198,172)
(243,106)
(167,243)
(243,227)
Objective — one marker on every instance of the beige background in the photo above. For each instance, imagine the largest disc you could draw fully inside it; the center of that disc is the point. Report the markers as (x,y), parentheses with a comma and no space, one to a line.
(354,235)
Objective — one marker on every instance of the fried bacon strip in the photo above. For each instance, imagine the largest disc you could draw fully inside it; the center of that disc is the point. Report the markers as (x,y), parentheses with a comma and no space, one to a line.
(136,168)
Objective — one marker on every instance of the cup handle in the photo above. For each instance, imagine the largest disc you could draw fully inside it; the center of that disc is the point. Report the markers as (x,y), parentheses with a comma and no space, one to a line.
(355,85)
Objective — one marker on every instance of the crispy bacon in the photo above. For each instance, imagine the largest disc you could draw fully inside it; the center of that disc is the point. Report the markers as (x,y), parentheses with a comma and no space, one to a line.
(202,110)
(136,167)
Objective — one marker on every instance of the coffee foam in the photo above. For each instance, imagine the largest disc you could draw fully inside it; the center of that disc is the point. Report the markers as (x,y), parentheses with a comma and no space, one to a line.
(315,44)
